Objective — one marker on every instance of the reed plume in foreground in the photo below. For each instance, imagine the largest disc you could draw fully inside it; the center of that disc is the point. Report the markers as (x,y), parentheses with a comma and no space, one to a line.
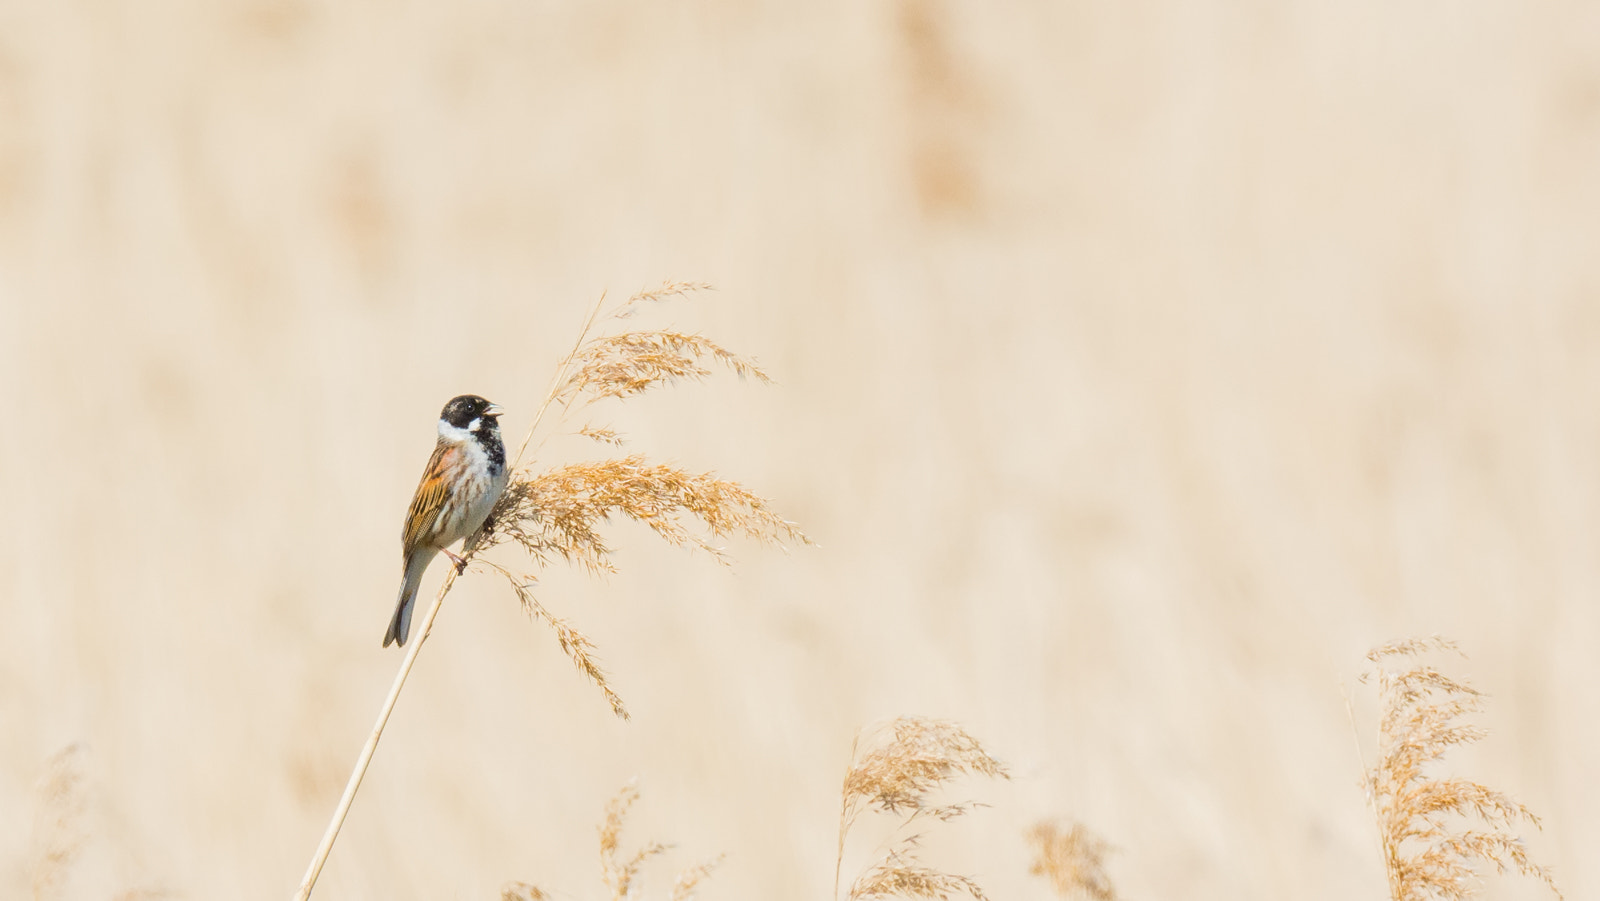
(557,514)
(902,764)
(1434,828)
(1073,859)
(620,871)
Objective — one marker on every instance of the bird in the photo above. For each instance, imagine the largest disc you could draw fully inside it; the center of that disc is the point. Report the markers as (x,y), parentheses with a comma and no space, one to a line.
(464,479)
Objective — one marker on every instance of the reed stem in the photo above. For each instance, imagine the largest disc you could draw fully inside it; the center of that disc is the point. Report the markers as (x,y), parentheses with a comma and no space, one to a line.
(356,775)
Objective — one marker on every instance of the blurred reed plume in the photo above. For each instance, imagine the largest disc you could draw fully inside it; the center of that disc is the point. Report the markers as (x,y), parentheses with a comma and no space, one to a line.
(618,870)
(902,764)
(1072,859)
(1433,828)
(58,831)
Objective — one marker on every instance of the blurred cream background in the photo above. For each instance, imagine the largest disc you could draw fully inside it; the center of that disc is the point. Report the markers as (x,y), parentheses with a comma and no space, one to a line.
(1141,365)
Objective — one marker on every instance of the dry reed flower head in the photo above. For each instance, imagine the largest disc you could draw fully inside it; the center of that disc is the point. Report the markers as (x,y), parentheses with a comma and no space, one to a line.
(1434,828)
(1073,860)
(58,831)
(898,875)
(617,874)
(908,759)
(557,514)
(902,764)
(633,362)
(619,871)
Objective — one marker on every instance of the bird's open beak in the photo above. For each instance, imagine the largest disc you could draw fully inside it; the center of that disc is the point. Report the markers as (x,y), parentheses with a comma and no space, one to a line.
(494,410)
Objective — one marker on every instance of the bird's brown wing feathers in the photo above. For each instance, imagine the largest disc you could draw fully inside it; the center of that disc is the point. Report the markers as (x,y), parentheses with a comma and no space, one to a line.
(430,497)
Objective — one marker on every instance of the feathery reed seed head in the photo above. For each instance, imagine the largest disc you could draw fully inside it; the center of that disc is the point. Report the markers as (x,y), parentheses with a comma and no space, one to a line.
(58,832)
(631,363)
(1073,860)
(904,762)
(620,871)
(914,756)
(617,873)
(576,645)
(899,876)
(1434,828)
(558,513)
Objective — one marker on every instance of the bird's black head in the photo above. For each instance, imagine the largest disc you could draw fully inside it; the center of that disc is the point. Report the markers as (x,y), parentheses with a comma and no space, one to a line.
(461,411)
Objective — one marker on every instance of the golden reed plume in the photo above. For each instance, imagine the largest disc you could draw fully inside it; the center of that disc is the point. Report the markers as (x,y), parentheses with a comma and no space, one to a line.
(620,871)
(895,772)
(1434,828)
(1073,859)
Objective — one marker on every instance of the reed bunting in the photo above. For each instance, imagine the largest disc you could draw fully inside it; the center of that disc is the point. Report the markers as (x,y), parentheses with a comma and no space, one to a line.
(464,479)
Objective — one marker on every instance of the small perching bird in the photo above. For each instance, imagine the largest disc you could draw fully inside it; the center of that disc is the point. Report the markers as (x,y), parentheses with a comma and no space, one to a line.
(465,477)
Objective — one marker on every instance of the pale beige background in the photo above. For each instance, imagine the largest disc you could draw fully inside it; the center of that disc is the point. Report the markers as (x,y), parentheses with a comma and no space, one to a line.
(1141,365)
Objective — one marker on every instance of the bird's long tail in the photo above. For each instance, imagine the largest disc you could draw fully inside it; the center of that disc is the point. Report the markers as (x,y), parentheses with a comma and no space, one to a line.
(400,626)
